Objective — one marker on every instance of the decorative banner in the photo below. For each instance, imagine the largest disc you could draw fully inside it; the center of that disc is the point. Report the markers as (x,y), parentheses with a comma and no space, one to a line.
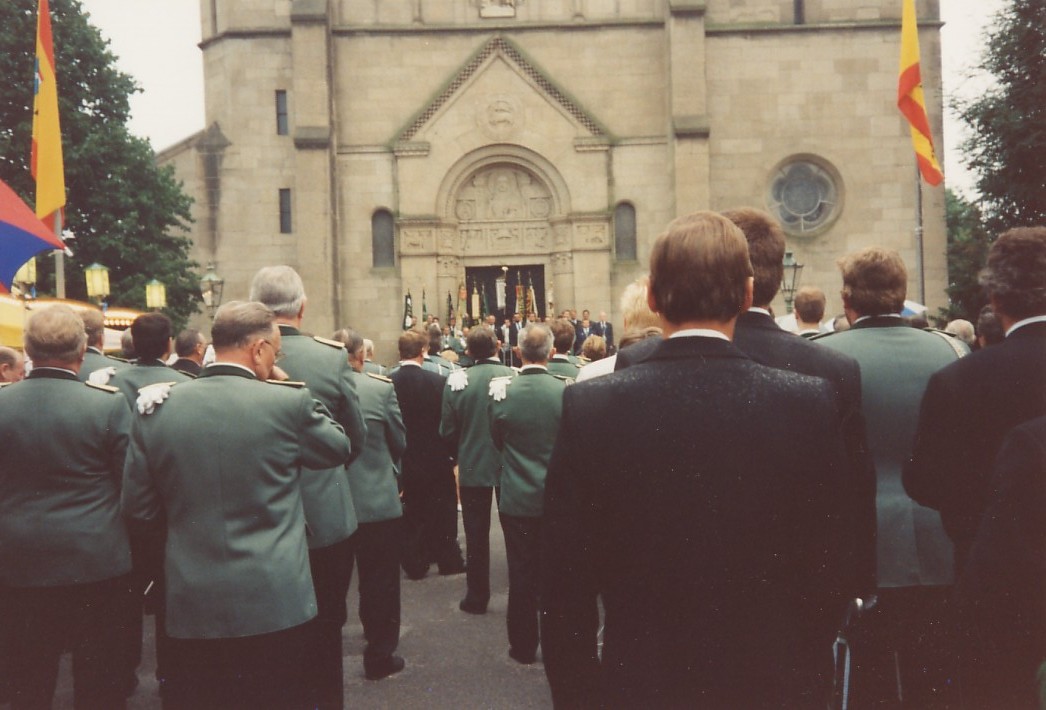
(499,291)
(531,298)
(46,158)
(484,311)
(408,311)
(519,294)
(450,309)
(475,302)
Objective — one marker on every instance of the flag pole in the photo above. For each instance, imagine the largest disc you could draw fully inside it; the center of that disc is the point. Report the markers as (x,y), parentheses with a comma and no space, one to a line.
(919,233)
(59,259)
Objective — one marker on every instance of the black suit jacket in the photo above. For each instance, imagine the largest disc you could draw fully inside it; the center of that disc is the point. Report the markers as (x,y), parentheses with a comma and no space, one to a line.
(1000,595)
(708,520)
(967,409)
(187,366)
(427,458)
(636,353)
(606,332)
(759,337)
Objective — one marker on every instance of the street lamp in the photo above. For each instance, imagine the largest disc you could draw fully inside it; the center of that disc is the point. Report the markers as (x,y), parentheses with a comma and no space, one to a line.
(211,286)
(97,282)
(790,280)
(155,295)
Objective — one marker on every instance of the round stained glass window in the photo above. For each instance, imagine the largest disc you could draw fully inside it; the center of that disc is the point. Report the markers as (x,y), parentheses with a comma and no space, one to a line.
(804,196)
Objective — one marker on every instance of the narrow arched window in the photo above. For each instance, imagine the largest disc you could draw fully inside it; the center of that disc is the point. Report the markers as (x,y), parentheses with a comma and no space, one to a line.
(382,237)
(625,232)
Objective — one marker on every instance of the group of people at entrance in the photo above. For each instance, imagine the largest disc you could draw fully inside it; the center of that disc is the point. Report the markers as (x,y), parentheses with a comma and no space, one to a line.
(697,524)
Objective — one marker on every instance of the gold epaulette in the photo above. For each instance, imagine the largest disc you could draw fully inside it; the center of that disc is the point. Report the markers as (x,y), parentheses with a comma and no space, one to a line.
(327,341)
(376,376)
(287,383)
(103,388)
(568,380)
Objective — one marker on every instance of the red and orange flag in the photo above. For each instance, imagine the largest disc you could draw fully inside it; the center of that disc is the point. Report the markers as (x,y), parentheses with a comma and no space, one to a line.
(910,96)
(47,166)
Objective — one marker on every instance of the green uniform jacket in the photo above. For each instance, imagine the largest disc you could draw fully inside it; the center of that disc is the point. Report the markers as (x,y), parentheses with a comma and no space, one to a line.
(465,423)
(561,365)
(62,446)
(221,458)
(133,377)
(524,426)
(372,476)
(896,364)
(94,359)
(324,368)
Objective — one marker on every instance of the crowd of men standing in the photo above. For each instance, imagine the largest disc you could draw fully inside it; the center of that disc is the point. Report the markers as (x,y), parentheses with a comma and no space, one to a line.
(735,497)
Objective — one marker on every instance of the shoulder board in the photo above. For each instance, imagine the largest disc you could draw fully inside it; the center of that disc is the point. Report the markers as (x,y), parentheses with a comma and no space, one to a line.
(327,341)
(4,384)
(287,383)
(190,375)
(103,388)
(956,345)
(822,336)
(568,380)
(376,376)
(121,359)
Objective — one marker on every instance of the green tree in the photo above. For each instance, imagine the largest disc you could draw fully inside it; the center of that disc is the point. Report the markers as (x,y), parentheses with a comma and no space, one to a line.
(1007,148)
(968,243)
(123,208)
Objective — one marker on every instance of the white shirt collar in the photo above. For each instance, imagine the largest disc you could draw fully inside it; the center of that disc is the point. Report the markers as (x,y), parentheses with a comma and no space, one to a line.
(699,332)
(1026,321)
(756,309)
(533,367)
(408,363)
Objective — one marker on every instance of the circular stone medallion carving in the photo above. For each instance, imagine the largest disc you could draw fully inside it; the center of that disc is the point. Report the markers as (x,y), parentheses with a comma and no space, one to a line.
(500,116)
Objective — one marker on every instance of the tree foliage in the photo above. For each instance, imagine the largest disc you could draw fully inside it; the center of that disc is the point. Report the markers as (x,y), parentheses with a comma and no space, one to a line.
(121,206)
(968,243)
(1007,148)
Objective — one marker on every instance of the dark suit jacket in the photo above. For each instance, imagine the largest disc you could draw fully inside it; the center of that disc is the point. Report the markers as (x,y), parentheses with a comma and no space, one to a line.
(186,366)
(426,460)
(759,337)
(635,353)
(1001,594)
(716,559)
(967,409)
(607,332)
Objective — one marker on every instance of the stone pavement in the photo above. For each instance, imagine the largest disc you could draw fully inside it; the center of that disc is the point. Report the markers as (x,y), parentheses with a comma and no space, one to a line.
(454,660)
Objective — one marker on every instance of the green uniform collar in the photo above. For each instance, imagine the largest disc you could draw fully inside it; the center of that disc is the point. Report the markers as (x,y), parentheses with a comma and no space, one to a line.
(52,373)
(286,330)
(223,369)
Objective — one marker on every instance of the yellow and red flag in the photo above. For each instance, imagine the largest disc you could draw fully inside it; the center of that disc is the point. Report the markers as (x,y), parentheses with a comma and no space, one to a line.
(910,96)
(47,166)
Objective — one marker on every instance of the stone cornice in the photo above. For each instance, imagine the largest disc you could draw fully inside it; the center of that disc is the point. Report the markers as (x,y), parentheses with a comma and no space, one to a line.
(247,33)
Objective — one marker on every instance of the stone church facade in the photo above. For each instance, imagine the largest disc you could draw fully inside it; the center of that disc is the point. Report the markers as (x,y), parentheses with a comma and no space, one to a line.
(387,146)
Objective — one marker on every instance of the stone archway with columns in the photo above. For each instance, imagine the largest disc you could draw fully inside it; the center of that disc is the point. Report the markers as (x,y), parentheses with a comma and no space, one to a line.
(505,205)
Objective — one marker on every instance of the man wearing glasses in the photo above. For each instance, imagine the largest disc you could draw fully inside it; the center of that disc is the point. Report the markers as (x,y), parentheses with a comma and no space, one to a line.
(219,463)
(329,511)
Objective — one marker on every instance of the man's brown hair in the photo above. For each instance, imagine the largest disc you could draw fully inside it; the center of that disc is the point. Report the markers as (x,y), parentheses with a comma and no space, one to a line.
(875,281)
(412,343)
(766,250)
(563,334)
(1016,272)
(481,342)
(809,304)
(699,269)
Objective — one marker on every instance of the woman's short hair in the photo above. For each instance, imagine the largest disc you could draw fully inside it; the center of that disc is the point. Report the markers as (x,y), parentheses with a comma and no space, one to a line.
(55,334)
(635,309)
(594,347)
(699,269)
(875,281)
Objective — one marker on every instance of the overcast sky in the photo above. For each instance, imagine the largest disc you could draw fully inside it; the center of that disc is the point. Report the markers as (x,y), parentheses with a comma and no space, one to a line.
(155,42)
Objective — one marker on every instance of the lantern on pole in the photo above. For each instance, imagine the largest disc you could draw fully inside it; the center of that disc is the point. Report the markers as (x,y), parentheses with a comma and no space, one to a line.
(211,287)
(155,295)
(97,277)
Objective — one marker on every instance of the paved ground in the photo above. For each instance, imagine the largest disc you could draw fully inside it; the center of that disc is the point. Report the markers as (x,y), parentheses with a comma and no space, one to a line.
(454,660)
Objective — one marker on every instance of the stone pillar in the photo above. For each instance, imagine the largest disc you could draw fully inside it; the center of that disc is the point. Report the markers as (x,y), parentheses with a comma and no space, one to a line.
(688,104)
(317,255)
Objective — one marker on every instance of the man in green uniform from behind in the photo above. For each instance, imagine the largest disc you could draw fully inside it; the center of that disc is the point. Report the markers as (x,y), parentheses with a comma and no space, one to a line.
(465,425)
(330,515)
(524,421)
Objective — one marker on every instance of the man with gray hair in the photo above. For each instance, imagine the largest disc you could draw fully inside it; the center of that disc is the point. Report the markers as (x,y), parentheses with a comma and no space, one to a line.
(64,555)
(524,421)
(329,511)
(368,358)
(241,605)
(94,358)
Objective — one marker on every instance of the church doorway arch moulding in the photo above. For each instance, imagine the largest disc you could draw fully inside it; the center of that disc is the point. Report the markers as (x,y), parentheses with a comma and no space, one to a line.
(503,205)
